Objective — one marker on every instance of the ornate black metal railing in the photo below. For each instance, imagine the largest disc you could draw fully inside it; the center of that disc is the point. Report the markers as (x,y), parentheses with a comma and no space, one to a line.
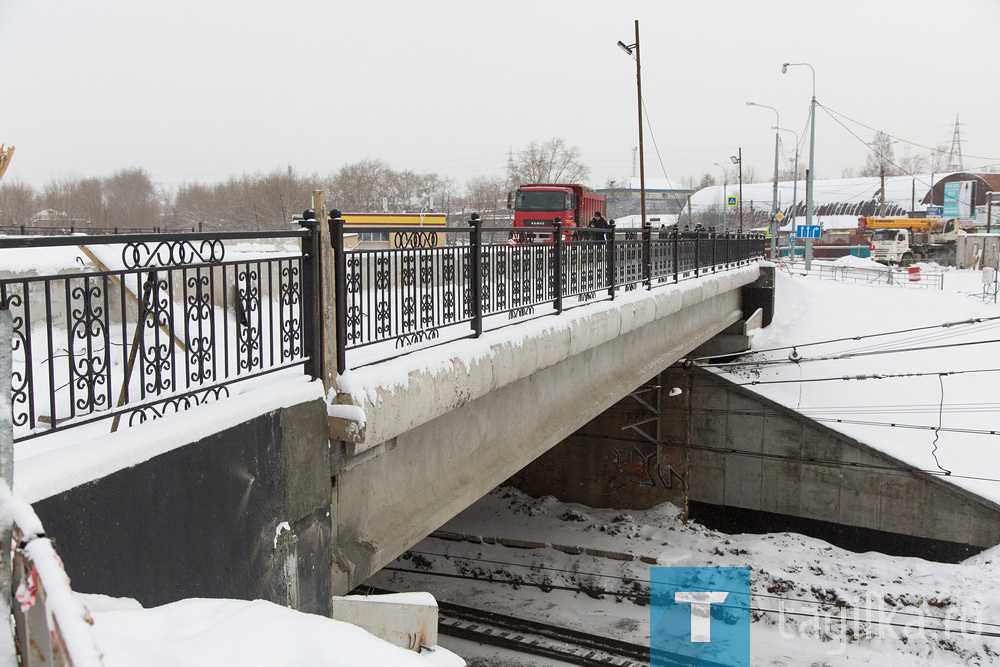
(418,291)
(153,324)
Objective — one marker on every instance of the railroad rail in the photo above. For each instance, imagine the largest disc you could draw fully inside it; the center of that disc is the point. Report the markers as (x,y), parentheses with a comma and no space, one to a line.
(544,639)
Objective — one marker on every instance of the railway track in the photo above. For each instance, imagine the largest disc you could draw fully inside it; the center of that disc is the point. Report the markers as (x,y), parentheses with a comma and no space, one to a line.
(545,640)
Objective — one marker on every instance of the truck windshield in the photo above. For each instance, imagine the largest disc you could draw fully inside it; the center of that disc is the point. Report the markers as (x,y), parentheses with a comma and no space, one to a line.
(540,200)
(889,235)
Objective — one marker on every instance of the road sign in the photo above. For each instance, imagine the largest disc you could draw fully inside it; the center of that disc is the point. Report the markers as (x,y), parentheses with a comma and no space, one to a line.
(732,201)
(778,217)
(808,231)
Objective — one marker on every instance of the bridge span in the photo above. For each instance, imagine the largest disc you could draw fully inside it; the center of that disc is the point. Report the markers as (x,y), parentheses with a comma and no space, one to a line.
(440,367)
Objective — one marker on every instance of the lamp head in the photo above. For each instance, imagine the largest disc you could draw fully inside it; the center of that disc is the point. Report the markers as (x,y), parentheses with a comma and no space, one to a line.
(624,47)
(784,68)
(735,159)
(749,104)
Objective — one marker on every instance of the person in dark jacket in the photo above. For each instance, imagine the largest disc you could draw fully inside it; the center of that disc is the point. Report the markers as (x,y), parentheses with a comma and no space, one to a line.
(599,223)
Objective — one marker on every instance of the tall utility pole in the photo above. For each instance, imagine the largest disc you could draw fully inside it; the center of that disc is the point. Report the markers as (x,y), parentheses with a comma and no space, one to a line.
(738,161)
(881,205)
(633,49)
(812,156)
(774,195)
(642,164)
(955,154)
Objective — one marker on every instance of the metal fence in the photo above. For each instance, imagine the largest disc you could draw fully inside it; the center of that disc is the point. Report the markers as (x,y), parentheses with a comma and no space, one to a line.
(419,293)
(911,277)
(59,230)
(150,325)
(166,322)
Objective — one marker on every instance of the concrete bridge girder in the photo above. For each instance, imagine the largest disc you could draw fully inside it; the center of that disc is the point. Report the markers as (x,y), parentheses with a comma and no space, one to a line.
(447,434)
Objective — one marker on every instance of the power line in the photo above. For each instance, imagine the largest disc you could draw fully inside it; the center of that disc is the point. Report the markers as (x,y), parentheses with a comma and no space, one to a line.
(831,463)
(845,378)
(975,320)
(793,359)
(922,427)
(905,141)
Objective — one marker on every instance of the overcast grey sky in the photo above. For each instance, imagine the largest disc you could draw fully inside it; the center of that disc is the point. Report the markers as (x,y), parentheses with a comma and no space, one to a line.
(198,90)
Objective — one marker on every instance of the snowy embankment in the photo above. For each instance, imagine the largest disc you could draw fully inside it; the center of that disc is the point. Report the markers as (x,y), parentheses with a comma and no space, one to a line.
(939,410)
(816,604)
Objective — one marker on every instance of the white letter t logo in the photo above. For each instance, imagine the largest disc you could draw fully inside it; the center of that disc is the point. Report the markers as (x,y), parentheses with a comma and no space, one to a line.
(701,611)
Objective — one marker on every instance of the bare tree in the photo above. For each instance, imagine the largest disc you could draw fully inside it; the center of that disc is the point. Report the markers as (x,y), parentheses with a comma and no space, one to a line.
(18,202)
(360,186)
(881,157)
(549,162)
(484,194)
(131,198)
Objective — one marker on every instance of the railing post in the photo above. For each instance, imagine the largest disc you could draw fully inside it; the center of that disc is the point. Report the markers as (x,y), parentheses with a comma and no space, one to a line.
(697,254)
(311,336)
(557,248)
(647,254)
(339,287)
(676,236)
(611,261)
(715,256)
(475,273)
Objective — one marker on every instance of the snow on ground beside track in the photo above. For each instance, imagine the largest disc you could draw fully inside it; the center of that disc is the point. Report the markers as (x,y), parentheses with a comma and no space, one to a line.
(814,578)
(809,310)
(214,632)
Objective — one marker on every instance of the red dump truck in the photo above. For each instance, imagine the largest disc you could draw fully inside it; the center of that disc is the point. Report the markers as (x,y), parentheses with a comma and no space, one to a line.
(539,204)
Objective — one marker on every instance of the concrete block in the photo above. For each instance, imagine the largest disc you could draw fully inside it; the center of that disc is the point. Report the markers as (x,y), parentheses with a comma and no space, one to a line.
(708,477)
(613,555)
(408,620)
(822,445)
(782,436)
(780,487)
(521,544)
(573,551)
(743,481)
(860,503)
(819,493)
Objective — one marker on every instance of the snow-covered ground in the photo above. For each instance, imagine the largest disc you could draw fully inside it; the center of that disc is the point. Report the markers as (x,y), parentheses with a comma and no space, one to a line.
(959,390)
(839,607)
(818,604)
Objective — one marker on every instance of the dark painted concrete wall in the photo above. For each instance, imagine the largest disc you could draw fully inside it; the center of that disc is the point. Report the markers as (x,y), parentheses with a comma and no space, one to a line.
(200,520)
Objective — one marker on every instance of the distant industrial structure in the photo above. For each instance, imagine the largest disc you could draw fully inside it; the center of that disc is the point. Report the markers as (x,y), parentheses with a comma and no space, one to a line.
(663,196)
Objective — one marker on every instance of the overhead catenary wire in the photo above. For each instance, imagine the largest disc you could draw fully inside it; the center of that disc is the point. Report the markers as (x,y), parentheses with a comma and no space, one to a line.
(974,320)
(923,427)
(845,355)
(833,463)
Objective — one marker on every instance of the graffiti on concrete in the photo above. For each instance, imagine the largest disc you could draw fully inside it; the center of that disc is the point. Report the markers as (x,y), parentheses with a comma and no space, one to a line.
(634,467)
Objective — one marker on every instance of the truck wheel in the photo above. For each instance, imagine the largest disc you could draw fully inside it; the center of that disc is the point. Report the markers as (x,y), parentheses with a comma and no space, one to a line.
(907,260)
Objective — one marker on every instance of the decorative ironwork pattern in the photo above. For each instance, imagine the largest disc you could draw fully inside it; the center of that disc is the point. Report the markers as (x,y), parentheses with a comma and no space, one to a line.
(139,255)
(408,297)
(172,327)
(415,239)
(176,404)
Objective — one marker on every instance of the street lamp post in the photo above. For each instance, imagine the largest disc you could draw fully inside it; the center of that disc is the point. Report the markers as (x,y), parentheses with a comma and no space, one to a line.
(629,49)
(795,178)
(810,175)
(774,195)
(725,195)
(738,161)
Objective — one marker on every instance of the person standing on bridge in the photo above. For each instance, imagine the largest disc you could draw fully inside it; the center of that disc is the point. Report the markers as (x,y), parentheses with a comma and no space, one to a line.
(600,223)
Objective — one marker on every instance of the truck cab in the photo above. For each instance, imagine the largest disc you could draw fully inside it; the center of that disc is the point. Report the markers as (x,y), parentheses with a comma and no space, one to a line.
(539,204)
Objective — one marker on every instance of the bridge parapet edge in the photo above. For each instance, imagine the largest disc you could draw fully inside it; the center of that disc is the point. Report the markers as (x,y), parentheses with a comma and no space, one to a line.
(385,400)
